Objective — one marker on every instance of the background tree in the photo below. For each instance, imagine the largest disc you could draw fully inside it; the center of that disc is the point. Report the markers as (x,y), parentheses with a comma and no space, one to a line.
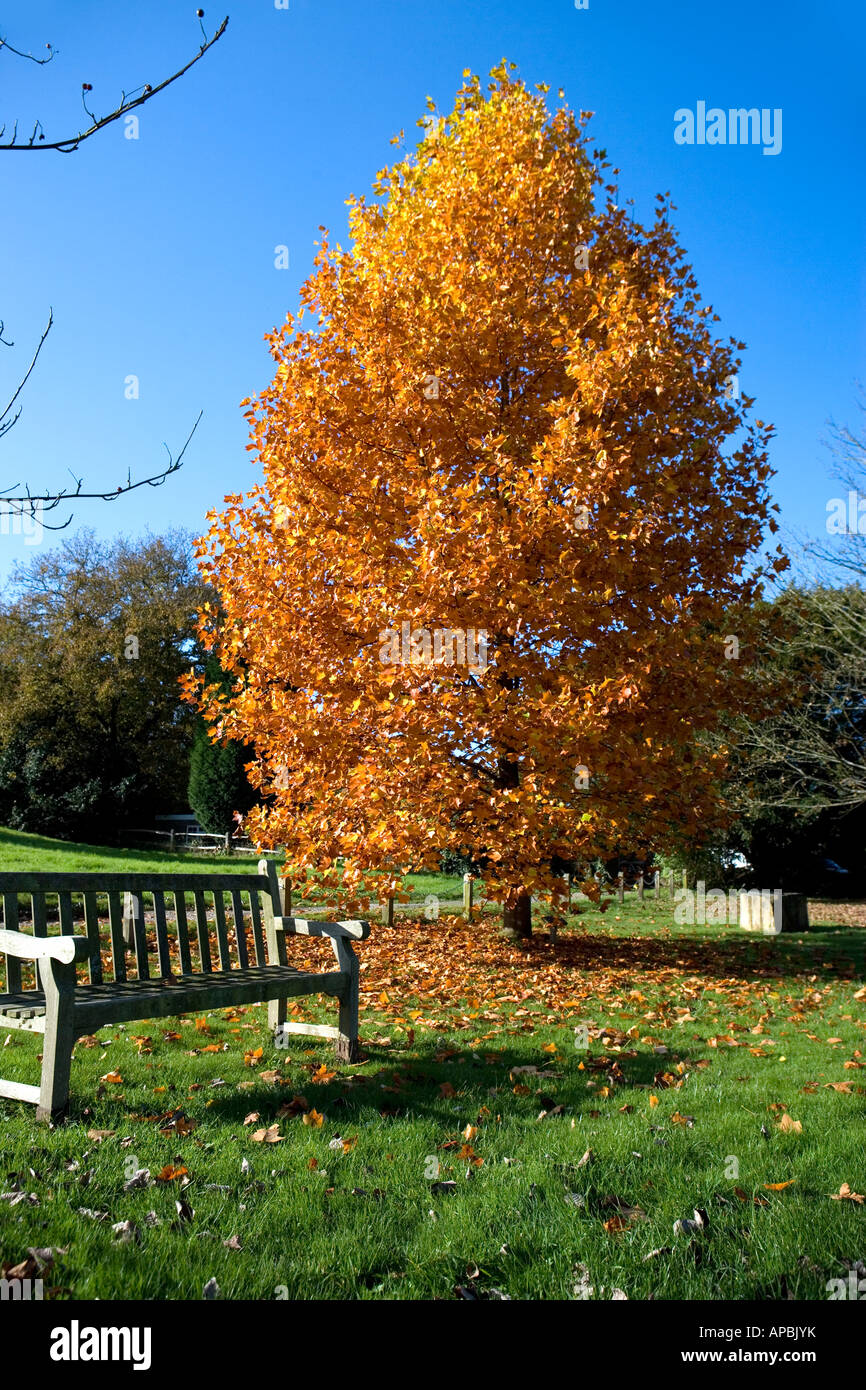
(219,790)
(509,415)
(797,777)
(93,640)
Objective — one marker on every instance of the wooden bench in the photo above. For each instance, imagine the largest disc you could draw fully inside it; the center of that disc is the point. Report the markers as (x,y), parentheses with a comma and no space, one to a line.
(66,983)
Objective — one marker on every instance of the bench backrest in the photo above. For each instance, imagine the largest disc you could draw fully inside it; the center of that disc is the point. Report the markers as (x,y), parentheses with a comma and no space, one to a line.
(143,925)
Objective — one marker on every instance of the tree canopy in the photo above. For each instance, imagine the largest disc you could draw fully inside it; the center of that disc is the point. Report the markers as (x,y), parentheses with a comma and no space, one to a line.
(93,641)
(509,416)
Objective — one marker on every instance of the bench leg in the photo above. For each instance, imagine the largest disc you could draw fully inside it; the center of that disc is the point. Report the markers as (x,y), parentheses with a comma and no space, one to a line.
(347,1046)
(277,1013)
(58,981)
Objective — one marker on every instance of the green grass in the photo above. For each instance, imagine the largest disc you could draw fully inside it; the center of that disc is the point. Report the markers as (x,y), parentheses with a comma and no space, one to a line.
(20,851)
(320,1223)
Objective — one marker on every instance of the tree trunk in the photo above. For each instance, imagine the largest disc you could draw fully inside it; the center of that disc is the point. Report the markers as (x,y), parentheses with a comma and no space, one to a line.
(517,920)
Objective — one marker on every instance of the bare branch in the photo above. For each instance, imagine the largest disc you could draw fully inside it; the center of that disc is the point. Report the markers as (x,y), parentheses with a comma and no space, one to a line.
(26,503)
(4,43)
(6,425)
(127,104)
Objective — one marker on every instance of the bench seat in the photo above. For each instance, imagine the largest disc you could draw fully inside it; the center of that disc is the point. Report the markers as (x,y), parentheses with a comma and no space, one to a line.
(95,1005)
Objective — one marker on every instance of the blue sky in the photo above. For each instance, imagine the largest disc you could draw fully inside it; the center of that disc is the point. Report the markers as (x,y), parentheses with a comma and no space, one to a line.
(157,254)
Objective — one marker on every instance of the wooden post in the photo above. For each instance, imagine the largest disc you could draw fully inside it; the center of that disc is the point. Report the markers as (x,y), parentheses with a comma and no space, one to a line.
(657,885)
(285,897)
(560,902)
(171,840)
(685,879)
(671,885)
(620,886)
(640,885)
(228,848)
(467,897)
(388,911)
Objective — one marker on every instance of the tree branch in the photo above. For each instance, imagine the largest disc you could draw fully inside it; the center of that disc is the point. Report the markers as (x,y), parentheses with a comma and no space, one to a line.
(127,104)
(26,503)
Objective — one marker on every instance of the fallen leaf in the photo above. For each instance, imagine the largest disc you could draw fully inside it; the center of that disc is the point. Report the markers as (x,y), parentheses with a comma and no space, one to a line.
(271,1135)
(293,1107)
(789,1126)
(846,1195)
(170,1173)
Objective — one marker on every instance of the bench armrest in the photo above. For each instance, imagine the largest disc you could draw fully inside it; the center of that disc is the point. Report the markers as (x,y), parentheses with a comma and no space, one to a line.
(62,948)
(301,926)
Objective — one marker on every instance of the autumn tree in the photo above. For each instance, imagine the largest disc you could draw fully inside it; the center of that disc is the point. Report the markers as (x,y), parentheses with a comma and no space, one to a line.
(508,419)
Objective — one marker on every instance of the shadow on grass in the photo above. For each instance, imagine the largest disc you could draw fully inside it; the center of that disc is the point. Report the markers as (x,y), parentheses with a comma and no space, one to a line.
(449,1085)
(838,951)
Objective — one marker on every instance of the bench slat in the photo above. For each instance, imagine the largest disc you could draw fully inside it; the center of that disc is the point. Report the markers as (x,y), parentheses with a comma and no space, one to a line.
(91,918)
(240,929)
(10,923)
(140,936)
(40,914)
(64,908)
(161,932)
(201,930)
(182,933)
(118,942)
(256,911)
(222,932)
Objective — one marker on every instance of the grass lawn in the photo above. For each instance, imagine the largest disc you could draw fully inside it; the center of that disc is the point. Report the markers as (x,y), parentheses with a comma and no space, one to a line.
(722,1073)
(20,851)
